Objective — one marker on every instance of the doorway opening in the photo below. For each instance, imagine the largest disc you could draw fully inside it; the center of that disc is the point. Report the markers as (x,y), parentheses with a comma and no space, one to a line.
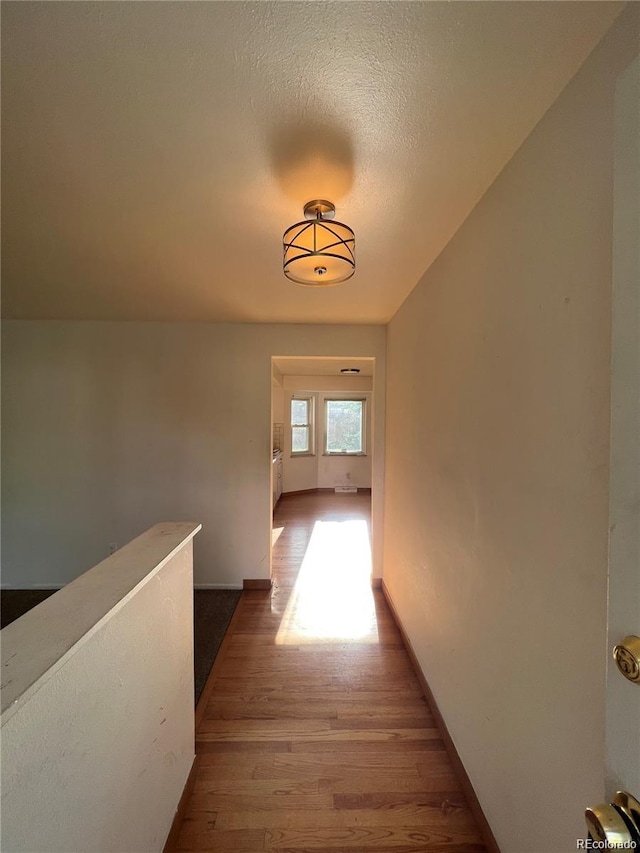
(323,437)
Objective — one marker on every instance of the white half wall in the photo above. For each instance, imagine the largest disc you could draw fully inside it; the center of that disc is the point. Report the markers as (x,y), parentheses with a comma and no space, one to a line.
(97,704)
(497,468)
(109,426)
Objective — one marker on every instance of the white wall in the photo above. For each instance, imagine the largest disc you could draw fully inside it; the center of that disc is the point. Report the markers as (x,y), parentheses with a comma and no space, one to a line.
(108,427)
(96,749)
(496,510)
(320,471)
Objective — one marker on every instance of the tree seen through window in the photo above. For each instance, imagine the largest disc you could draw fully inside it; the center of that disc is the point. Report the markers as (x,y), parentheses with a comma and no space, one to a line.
(345,422)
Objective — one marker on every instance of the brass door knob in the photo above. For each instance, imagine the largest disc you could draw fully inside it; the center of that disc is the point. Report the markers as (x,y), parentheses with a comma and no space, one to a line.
(627,657)
(605,824)
(615,824)
(630,808)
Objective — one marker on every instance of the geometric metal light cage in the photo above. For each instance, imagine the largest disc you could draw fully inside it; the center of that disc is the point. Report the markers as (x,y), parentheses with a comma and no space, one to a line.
(319,252)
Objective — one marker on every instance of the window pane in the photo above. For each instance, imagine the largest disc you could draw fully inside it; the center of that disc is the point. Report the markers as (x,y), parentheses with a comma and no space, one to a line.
(300,439)
(344,426)
(299,411)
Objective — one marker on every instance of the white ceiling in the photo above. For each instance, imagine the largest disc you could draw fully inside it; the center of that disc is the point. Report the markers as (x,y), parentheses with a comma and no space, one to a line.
(153,153)
(316,366)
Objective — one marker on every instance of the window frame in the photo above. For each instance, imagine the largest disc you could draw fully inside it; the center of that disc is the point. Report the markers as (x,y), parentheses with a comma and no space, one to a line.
(349,399)
(310,425)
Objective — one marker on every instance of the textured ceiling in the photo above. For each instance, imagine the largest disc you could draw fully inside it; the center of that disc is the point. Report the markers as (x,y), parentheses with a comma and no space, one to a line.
(153,153)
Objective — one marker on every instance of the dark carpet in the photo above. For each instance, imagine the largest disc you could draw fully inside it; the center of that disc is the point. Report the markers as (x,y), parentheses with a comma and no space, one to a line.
(212,612)
(14,603)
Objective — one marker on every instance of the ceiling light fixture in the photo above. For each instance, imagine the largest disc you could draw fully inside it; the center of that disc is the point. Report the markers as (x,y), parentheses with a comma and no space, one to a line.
(319,252)
(350,371)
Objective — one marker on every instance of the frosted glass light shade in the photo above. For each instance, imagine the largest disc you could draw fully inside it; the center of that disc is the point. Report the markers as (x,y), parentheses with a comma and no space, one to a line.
(319,252)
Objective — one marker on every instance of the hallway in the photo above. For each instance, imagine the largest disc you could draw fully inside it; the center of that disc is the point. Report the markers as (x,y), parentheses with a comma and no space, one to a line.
(316,736)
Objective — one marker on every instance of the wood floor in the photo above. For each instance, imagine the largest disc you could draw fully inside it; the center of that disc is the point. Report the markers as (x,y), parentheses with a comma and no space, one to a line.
(316,736)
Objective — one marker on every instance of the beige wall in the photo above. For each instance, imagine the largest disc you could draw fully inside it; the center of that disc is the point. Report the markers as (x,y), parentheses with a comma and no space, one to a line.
(623,697)
(111,427)
(496,509)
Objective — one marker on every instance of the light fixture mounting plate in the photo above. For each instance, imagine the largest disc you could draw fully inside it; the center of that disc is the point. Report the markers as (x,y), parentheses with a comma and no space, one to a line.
(319,206)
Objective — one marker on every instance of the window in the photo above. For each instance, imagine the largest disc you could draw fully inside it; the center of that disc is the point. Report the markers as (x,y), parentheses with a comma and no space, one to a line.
(344,427)
(302,425)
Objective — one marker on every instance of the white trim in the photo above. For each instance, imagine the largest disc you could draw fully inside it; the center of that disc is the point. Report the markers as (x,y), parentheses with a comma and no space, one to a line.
(346,398)
(309,399)
(345,453)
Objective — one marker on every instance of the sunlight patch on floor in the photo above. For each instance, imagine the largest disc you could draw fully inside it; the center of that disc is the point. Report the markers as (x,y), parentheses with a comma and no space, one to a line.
(275,534)
(332,600)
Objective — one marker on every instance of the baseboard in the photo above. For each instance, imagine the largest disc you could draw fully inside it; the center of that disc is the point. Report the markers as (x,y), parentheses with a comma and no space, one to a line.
(209,684)
(172,839)
(305,492)
(361,491)
(236,586)
(376,583)
(256,583)
(467,787)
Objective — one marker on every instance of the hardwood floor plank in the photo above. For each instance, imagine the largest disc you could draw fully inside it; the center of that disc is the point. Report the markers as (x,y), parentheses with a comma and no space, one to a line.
(446,816)
(249,764)
(268,779)
(302,683)
(394,705)
(259,787)
(218,803)
(394,800)
(204,747)
(269,710)
(351,698)
(363,837)
(263,646)
(325,683)
(305,730)
(264,729)
(375,721)
(372,744)
(337,707)
(343,780)
(198,835)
